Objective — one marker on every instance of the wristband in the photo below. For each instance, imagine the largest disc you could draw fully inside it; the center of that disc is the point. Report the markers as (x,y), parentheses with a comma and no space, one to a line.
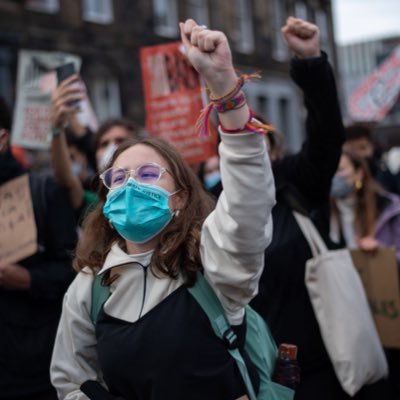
(54,132)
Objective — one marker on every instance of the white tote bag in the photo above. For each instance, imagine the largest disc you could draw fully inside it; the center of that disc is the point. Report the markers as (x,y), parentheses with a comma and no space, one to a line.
(342,312)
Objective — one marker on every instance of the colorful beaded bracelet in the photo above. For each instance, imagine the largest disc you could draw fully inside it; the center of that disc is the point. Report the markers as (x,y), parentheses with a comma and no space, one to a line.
(252,125)
(233,103)
(233,100)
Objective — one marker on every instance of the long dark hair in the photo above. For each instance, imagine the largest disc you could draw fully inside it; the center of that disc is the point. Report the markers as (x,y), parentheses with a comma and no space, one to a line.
(366,211)
(178,245)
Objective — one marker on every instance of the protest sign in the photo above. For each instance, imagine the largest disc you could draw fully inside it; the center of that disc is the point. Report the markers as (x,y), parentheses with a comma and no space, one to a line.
(379,275)
(173,101)
(36,80)
(18,234)
(376,96)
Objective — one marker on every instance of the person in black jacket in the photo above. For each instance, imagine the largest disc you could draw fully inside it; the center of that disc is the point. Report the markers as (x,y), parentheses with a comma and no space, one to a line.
(31,290)
(303,183)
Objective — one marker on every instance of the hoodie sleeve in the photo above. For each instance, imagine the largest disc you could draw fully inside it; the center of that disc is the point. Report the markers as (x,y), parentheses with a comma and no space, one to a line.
(236,233)
(74,359)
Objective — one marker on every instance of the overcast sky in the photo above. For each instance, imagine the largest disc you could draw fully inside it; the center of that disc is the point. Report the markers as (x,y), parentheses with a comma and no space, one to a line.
(359,20)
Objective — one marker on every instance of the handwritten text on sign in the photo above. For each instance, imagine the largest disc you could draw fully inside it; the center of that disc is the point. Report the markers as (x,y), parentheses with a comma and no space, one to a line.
(18,234)
(173,101)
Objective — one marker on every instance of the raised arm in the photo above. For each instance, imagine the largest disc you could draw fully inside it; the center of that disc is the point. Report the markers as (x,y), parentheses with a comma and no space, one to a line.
(61,113)
(236,234)
(311,169)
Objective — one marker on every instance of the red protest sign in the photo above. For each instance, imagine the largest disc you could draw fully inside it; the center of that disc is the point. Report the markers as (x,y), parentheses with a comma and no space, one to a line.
(173,101)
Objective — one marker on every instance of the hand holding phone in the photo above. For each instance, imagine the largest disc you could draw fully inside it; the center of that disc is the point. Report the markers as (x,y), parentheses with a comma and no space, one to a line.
(67,97)
(63,72)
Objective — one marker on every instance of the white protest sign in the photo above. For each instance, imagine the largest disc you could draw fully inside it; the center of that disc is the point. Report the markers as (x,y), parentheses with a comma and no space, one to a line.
(36,81)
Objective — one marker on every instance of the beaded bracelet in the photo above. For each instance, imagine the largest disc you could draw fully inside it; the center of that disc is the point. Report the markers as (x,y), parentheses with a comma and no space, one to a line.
(230,101)
(233,103)
(232,93)
(252,125)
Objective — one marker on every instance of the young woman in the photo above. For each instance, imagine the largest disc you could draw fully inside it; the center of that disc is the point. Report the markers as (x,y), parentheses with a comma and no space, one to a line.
(363,214)
(152,230)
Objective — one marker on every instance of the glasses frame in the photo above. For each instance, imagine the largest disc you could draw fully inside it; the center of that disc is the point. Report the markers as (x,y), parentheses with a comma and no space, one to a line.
(132,173)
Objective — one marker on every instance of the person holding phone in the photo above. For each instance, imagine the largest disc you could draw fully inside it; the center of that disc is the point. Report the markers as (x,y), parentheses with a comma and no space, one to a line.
(70,138)
(64,107)
(153,229)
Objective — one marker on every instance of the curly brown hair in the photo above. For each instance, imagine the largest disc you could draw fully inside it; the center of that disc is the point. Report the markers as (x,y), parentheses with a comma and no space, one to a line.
(178,244)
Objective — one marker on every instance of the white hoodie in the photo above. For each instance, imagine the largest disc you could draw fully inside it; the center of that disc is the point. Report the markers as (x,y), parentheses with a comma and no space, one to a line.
(233,240)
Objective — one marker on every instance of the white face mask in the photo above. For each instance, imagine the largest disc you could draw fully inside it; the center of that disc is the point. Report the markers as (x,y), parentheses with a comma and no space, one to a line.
(106,157)
(76,168)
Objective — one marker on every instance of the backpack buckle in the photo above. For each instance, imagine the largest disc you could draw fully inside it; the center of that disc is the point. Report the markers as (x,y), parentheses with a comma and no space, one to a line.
(230,339)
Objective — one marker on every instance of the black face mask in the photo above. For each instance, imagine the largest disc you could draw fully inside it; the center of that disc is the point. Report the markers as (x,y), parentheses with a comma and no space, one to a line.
(9,167)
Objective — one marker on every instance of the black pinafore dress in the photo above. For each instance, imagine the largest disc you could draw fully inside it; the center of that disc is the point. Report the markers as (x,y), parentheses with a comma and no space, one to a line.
(171,353)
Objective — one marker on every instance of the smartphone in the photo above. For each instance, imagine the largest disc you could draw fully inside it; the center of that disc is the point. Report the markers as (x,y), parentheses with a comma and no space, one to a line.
(63,72)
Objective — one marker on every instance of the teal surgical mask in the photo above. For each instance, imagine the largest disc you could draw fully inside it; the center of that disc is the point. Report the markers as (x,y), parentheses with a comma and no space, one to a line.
(138,212)
(212,179)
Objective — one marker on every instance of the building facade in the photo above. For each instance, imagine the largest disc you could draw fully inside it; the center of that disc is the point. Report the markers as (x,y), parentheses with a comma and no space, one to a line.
(107,35)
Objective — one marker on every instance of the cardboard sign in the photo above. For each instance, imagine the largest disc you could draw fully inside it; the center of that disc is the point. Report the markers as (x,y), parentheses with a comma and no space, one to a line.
(36,81)
(173,101)
(18,234)
(379,274)
(376,96)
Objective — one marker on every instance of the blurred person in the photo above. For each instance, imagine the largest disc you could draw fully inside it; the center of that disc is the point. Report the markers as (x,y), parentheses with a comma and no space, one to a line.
(365,216)
(109,135)
(31,290)
(99,146)
(359,141)
(210,175)
(153,229)
(303,183)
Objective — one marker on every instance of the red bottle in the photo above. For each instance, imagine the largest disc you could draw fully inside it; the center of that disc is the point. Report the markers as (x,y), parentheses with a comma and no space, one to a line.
(287,370)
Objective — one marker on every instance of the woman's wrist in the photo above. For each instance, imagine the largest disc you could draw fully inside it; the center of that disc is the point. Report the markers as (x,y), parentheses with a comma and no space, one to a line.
(222,83)
(308,54)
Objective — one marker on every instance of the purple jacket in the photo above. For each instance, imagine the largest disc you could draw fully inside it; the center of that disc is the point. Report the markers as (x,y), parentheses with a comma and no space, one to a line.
(388,224)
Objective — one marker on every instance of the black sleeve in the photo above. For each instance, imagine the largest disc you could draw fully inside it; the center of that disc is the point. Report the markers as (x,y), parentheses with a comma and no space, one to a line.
(51,269)
(312,169)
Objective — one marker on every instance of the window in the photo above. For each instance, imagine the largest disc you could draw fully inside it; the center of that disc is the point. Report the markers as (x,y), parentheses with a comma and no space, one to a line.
(106,97)
(47,6)
(300,11)
(243,20)
(283,106)
(165,17)
(280,50)
(98,11)
(198,10)
(262,105)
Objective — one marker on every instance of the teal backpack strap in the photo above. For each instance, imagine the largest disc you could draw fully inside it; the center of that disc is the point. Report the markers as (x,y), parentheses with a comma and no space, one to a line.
(262,350)
(100,294)
(209,302)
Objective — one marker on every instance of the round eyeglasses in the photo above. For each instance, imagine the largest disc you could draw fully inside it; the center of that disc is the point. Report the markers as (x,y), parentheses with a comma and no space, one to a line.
(147,174)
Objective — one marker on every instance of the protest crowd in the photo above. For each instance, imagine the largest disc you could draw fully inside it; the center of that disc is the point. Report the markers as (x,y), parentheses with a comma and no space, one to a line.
(127,272)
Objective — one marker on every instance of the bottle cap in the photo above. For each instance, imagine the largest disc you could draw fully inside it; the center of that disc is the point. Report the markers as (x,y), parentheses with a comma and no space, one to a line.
(288,351)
